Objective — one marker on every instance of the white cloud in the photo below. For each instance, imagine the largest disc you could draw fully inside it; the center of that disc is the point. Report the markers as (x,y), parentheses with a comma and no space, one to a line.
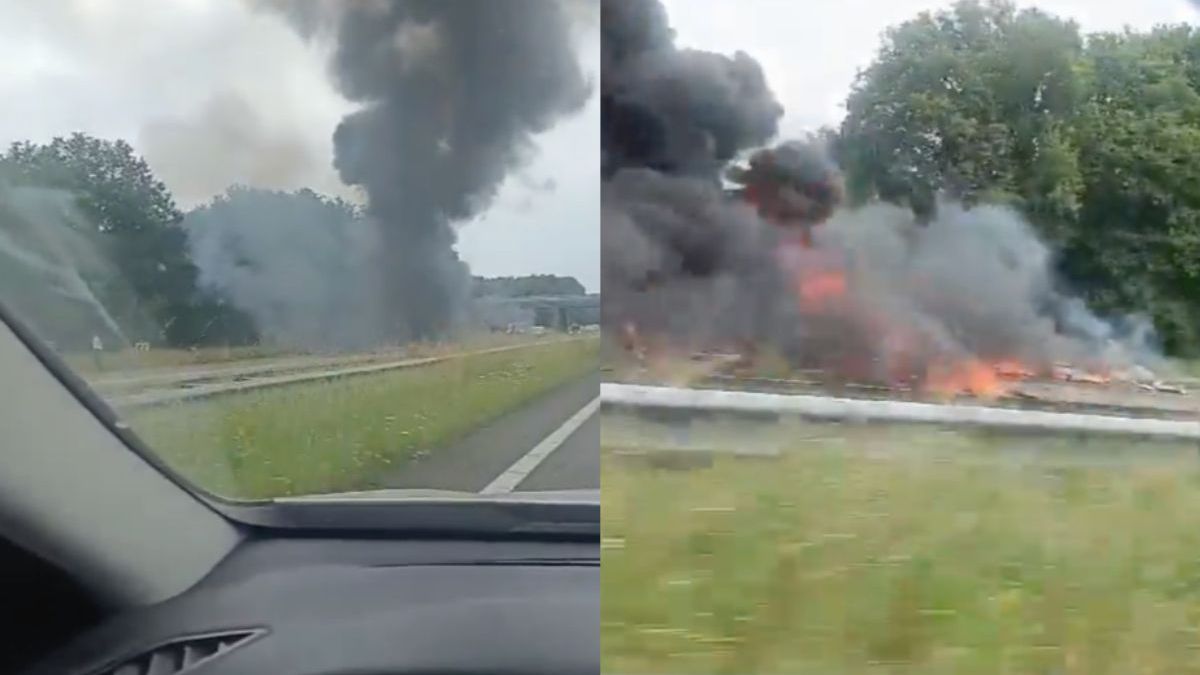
(111,68)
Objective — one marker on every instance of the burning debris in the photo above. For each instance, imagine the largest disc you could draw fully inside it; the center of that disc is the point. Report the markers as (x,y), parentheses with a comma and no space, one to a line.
(962,302)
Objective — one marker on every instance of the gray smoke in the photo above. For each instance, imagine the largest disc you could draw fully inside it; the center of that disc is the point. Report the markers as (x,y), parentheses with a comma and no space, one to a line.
(298,263)
(969,283)
(227,142)
(451,94)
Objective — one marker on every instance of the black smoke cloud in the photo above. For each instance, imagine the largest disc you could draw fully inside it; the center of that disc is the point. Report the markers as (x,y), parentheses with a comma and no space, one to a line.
(674,110)
(679,259)
(676,255)
(451,94)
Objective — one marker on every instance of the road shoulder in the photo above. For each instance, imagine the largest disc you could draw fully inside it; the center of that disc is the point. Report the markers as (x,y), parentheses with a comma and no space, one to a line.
(474,461)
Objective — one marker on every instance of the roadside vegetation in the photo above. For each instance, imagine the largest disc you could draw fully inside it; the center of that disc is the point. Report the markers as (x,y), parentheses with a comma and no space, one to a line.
(885,551)
(86,364)
(349,433)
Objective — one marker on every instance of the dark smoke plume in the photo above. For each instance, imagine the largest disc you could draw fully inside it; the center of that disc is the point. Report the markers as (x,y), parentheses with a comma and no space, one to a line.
(674,110)
(452,93)
(679,259)
(775,259)
(671,119)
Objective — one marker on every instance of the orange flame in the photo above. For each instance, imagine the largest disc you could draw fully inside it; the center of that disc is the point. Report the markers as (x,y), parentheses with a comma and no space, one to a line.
(820,288)
(968,376)
(821,284)
(818,277)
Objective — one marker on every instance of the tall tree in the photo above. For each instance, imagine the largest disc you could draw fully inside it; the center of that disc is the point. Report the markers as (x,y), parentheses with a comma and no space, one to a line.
(1095,139)
(968,100)
(132,220)
(1136,244)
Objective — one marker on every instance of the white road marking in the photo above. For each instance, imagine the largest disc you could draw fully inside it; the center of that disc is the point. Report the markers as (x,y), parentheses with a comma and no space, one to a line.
(512,476)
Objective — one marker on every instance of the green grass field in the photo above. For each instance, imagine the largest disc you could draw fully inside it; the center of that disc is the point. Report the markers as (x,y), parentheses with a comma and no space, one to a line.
(952,556)
(341,434)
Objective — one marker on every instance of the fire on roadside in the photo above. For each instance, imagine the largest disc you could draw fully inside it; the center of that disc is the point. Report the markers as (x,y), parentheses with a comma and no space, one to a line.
(966,376)
(820,282)
(848,337)
(821,289)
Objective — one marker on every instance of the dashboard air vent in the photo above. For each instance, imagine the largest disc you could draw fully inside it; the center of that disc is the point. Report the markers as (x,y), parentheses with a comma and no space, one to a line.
(182,655)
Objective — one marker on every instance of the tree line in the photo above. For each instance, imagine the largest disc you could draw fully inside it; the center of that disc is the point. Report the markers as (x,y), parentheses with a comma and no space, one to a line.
(527,286)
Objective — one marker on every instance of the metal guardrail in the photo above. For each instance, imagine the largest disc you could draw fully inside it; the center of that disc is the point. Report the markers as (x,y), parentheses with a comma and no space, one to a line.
(708,402)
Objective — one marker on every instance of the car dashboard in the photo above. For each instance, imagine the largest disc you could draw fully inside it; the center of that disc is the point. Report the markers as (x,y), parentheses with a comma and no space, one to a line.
(334,605)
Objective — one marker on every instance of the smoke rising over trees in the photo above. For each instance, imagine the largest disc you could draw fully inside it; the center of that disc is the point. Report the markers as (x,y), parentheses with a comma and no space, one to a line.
(447,98)
(299,263)
(452,94)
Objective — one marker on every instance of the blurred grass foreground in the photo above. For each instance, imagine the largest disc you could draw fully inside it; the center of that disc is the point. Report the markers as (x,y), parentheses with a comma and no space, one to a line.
(343,433)
(949,557)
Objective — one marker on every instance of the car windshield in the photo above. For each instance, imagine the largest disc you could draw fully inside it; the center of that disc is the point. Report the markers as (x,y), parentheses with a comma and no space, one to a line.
(314,248)
(902,311)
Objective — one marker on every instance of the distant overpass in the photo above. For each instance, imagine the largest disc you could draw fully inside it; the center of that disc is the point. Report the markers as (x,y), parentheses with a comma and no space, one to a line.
(556,312)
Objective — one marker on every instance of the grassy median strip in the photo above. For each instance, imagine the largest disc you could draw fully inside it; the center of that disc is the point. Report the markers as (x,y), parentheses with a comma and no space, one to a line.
(950,559)
(124,360)
(340,434)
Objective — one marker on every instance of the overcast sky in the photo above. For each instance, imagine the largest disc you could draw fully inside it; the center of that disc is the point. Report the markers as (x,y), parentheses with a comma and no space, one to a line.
(812,49)
(213,93)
